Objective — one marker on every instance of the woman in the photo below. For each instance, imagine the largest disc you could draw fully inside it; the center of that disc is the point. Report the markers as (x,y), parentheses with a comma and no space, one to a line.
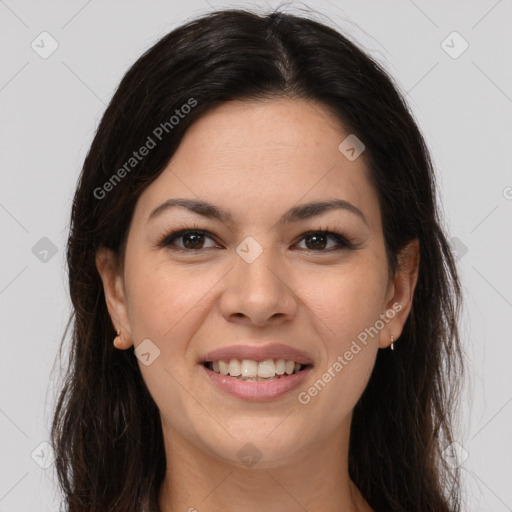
(256,222)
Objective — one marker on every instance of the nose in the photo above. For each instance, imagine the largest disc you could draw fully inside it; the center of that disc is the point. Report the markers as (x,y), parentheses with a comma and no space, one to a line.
(260,292)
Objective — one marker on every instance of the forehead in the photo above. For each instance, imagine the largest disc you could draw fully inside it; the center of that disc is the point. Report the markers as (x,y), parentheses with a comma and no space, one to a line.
(266,129)
(263,156)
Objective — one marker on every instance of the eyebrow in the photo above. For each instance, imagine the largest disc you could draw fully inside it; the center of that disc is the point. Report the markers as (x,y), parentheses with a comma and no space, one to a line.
(294,214)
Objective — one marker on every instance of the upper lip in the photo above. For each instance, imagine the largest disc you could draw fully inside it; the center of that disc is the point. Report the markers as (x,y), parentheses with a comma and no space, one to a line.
(258,353)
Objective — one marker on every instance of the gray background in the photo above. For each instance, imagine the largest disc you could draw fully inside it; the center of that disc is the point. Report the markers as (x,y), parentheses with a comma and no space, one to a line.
(50,109)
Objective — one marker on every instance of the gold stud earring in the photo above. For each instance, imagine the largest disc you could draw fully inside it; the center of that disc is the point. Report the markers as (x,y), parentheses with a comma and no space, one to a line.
(392,344)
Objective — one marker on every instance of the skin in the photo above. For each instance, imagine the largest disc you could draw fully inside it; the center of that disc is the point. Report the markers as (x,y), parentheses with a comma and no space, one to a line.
(258,159)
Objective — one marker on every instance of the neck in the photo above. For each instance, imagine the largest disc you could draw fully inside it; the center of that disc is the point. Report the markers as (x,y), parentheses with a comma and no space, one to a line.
(315,479)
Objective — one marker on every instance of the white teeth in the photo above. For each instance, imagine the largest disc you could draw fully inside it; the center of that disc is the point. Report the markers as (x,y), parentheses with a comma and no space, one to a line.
(266,368)
(223,367)
(234,368)
(250,369)
(280,366)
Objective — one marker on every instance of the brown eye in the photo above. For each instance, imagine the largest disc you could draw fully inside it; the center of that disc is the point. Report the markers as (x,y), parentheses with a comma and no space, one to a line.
(194,240)
(191,240)
(318,241)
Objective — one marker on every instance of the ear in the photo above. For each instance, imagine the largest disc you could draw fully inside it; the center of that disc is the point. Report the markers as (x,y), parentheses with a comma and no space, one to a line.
(401,293)
(113,285)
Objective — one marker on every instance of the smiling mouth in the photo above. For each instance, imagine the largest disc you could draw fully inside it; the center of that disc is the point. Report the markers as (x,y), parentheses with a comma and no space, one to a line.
(253,371)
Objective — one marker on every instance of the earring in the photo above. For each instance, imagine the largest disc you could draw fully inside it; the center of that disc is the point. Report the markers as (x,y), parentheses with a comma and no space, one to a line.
(392,344)
(117,339)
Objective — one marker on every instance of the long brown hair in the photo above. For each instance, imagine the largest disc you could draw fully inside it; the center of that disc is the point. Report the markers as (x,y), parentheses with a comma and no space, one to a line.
(404,419)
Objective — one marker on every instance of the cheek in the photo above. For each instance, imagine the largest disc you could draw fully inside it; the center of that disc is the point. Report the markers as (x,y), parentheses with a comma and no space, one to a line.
(349,299)
(161,299)
(166,306)
(346,306)
(167,302)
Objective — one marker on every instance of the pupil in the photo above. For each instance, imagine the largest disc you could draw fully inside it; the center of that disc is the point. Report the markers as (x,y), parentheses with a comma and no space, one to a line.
(317,245)
(193,245)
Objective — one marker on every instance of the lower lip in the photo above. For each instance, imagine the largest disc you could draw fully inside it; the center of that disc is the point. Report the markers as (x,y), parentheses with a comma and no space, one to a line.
(257,391)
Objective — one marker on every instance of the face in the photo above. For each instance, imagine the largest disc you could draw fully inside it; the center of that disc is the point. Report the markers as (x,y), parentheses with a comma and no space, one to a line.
(258,276)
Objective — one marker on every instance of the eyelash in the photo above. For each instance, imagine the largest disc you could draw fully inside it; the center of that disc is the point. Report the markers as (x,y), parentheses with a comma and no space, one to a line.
(169,238)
